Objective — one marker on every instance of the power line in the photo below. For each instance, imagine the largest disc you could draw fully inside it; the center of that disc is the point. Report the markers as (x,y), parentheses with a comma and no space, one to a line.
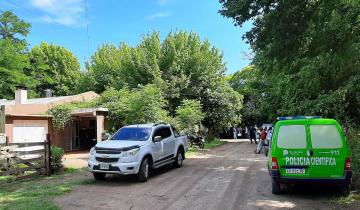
(87,27)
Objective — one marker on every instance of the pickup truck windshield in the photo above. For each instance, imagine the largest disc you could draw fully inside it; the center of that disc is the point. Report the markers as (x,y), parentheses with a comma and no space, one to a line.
(132,134)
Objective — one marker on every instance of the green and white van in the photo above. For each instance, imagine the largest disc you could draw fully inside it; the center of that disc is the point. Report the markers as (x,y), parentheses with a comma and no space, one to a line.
(309,149)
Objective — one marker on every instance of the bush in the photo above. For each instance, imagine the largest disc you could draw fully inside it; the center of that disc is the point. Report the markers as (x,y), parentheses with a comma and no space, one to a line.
(354,145)
(61,116)
(57,154)
(189,116)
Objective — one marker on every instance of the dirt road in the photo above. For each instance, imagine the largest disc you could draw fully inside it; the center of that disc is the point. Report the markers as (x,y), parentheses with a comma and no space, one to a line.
(228,177)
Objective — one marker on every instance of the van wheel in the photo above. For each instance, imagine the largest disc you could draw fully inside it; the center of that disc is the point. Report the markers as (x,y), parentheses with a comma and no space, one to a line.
(345,190)
(143,174)
(99,176)
(179,158)
(275,187)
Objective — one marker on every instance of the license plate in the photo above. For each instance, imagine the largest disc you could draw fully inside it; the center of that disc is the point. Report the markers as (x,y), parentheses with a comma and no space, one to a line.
(295,170)
(104,166)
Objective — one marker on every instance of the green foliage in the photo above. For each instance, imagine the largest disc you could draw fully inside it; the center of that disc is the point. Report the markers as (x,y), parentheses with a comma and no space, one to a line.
(13,58)
(54,67)
(57,154)
(182,66)
(222,106)
(189,116)
(39,192)
(12,28)
(309,66)
(354,145)
(307,58)
(12,62)
(145,104)
(249,83)
(61,116)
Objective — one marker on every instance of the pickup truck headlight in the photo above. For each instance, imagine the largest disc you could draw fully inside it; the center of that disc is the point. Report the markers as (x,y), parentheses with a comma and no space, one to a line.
(131,153)
(92,151)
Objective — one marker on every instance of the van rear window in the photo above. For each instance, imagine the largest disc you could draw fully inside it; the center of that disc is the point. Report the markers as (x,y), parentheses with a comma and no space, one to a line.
(292,137)
(325,136)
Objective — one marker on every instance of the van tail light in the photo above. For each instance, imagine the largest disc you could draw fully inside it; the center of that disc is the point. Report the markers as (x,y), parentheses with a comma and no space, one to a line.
(274,163)
(347,164)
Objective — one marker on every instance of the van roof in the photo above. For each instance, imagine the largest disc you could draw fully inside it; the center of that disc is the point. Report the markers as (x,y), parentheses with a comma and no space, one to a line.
(306,121)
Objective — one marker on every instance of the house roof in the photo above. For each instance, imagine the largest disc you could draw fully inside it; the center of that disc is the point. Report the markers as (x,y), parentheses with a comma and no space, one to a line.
(36,100)
(42,105)
(52,100)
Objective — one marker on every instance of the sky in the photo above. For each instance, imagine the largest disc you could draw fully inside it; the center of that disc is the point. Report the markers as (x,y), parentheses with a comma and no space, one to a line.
(83,25)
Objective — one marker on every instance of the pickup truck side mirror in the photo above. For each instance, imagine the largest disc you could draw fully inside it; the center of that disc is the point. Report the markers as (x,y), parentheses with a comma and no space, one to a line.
(157,138)
(105,137)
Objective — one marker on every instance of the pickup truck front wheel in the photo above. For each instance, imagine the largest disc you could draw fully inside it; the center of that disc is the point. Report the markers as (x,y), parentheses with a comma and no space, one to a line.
(179,158)
(143,174)
(99,176)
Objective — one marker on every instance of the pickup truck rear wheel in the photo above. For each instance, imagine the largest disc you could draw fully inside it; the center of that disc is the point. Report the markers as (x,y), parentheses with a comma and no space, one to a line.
(179,158)
(143,174)
(99,176)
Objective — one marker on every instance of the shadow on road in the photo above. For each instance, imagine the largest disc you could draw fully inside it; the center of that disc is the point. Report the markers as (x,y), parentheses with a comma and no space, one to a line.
(115,179)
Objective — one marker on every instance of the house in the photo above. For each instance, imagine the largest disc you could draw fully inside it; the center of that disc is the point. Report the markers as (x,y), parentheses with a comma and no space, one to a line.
(25,120)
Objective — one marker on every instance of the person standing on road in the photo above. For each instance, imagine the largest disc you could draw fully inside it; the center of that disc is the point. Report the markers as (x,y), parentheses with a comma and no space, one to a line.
(238,132)
(268,140)
(234,132)
(252,134)
(262,139)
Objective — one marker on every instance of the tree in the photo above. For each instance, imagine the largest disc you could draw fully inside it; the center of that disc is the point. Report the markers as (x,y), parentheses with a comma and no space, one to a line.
(13,58)
(11,27)
(308,53)
(250,83)
(189,116)
(222,106)
(117,67)
(54,67)
(133,106)
(182,65)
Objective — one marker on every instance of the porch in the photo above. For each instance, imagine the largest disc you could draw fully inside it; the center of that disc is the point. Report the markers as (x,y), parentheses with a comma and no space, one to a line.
(83,132)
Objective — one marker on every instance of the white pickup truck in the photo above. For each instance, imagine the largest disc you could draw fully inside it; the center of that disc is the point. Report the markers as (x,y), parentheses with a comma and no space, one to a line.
(136,149)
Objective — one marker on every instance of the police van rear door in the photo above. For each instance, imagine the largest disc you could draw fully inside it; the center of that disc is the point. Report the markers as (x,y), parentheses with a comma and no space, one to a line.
(292,146)
(328,152)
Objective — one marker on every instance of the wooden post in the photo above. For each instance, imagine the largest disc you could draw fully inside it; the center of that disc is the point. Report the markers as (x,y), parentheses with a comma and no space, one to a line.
(7,159)
(47,155)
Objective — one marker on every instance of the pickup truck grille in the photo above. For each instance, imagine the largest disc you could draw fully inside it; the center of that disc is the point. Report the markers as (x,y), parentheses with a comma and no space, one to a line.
(106,160)
(107,150)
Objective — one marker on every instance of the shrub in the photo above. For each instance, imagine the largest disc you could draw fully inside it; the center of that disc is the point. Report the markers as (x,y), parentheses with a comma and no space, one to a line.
(354,145)
(57,154)
(189,116)
(61,116)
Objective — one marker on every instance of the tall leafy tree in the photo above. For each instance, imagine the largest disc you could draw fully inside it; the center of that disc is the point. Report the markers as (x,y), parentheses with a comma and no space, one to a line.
(308,52)
(145,104)
(189,116)
(54,67)
(13,58)
(182,66)
(13,28)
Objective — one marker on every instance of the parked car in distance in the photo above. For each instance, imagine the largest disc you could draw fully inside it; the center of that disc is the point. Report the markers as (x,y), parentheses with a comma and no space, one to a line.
(309,150)
(136,149)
